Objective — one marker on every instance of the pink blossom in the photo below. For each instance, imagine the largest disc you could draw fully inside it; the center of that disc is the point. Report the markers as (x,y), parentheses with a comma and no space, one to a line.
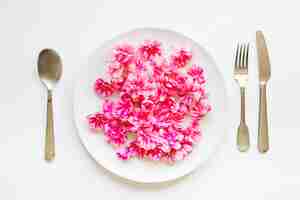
(104,88)
(124,54)
(181,58)
(149,49)
(97,120)
(197,73)
(123,153)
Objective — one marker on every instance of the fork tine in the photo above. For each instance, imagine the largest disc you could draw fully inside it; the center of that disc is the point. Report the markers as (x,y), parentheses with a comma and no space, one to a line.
(240,56)
(244,57)
(237,57)
(247,56)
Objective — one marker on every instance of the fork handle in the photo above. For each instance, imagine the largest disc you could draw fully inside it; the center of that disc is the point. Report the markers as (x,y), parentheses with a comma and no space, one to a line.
(243,133)
(263,138)
(243,110)
(49,146)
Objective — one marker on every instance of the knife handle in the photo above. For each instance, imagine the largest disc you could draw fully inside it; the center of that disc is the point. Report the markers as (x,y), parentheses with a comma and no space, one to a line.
(263,138)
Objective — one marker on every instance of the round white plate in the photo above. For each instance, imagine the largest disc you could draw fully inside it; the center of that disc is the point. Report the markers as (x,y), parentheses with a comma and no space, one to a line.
(86,102)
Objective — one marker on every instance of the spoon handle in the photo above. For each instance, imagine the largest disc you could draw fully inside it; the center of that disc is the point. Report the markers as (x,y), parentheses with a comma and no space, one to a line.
(49,146)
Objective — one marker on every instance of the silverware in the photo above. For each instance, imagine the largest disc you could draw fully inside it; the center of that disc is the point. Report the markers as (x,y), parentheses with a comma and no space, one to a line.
(50,70)
(264,76)
(241,76)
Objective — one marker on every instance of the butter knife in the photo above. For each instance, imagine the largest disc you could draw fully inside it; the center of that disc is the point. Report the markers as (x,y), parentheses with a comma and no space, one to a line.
(264,75)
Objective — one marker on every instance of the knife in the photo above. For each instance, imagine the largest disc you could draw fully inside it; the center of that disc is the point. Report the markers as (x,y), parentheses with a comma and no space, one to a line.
(264,75)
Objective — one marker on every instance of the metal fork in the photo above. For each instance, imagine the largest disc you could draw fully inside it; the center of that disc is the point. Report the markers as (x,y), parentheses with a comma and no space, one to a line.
(241,76)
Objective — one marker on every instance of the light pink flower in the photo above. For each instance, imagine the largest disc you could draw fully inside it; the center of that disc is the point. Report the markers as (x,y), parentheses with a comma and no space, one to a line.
(124,54)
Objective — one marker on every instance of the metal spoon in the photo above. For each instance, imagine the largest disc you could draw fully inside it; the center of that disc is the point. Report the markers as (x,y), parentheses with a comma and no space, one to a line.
(50,70)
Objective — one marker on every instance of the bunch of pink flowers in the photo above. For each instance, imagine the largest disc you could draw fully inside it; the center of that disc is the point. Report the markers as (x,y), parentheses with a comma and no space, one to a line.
(156,95)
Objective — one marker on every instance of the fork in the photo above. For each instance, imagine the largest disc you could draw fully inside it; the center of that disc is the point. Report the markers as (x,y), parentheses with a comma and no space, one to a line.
(241,76)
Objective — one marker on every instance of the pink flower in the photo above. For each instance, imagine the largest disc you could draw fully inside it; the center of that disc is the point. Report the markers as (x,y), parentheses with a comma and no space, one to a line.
(96,121)
(155,154)
(191,136)
(200,108)
(123,109)
(149,49)
(103,88)
(124,54)
(140,65)
(181,58)
(197,74)
(147,106)
(108,107)
(123,153)
(115,131)
(115,70)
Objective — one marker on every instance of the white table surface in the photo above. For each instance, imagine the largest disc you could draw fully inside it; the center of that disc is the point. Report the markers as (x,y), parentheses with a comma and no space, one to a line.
(76,28)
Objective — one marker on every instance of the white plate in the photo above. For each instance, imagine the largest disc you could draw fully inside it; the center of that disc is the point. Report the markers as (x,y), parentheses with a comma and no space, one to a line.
(86,102)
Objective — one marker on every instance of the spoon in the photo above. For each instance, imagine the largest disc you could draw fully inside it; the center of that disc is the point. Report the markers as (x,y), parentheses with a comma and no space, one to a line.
(50,70)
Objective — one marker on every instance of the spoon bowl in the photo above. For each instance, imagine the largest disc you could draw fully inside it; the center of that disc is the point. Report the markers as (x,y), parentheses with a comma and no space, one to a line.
(49,68)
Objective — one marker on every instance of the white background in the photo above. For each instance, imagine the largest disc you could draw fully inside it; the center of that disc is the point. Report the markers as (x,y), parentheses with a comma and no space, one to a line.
(76,28)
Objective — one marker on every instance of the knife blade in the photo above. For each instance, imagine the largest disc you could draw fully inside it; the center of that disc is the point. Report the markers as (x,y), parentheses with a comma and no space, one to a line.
(263,58)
